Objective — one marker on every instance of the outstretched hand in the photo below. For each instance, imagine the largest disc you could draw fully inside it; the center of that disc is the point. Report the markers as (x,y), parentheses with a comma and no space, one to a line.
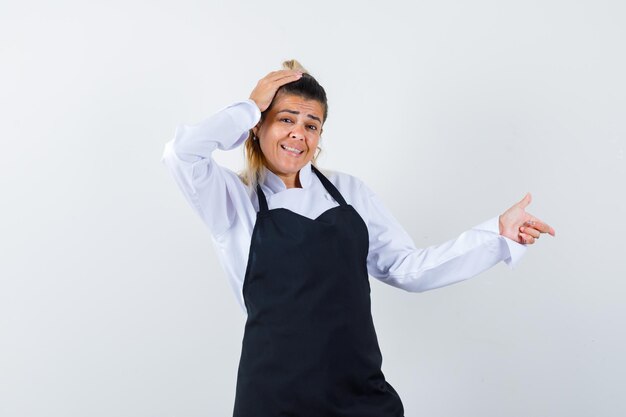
(520,226)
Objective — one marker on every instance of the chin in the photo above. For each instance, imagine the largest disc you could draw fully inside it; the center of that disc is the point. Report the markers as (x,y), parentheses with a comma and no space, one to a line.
(291,168)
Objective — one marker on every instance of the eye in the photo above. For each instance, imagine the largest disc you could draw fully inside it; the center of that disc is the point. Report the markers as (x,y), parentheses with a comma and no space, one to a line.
(286,119)
(312,127)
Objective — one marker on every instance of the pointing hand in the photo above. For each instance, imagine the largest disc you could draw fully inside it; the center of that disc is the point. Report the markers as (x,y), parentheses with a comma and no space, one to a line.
(520,226)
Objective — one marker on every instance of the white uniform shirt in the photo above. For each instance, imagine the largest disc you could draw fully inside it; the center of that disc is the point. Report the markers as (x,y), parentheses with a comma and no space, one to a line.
(229,210)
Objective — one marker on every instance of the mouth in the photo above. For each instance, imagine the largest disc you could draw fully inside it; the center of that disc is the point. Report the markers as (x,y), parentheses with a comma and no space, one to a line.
(292,151)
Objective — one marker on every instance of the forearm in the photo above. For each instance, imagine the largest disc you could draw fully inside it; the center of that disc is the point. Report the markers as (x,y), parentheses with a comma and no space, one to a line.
(456,260)
(394,259)
(189,161)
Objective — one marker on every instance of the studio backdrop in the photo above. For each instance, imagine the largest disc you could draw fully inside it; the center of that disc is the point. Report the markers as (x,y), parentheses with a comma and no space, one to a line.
(112,299)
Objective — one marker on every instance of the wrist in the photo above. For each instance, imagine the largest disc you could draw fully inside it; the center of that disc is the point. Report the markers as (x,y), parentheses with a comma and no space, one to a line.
(253,101)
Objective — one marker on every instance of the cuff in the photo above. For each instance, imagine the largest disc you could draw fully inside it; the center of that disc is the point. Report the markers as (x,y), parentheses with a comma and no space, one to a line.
(512,252)
(245,113)
(516,252)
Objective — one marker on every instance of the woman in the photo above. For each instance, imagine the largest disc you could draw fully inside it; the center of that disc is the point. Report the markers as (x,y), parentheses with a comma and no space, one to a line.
(298,245)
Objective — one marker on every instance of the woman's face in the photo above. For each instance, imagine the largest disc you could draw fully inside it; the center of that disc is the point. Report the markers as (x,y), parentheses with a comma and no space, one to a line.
(289,134)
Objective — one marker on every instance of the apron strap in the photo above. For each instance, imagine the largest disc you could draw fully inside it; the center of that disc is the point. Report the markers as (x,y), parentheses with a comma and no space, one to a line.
(262,199)
(332,190)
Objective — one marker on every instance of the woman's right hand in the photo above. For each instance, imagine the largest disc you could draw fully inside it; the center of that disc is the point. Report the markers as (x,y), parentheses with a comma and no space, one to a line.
(266,88)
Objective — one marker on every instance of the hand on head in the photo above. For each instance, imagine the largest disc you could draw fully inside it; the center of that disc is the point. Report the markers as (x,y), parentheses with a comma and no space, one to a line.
(266,88)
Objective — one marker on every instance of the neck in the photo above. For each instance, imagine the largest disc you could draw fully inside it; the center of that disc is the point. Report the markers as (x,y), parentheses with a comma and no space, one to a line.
(291,181)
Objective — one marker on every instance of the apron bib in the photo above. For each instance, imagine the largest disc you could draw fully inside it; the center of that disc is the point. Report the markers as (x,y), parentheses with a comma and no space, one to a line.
(309,347)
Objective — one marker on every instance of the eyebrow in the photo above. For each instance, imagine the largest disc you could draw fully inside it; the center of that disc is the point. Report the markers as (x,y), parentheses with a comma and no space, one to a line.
(297,112)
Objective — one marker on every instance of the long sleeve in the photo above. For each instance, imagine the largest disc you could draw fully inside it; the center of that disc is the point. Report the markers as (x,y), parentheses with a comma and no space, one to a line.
(201,180)
(394,259)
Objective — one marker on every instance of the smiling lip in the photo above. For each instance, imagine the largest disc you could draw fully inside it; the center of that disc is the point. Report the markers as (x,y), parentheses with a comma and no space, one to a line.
(291,151)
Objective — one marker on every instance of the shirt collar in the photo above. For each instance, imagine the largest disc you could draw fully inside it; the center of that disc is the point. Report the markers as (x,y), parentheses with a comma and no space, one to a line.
(276,185)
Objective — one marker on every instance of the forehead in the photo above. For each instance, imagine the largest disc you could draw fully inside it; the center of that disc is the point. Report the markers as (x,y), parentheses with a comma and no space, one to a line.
(297,103)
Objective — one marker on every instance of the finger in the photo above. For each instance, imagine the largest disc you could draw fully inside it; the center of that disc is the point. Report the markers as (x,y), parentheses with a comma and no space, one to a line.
(274,76)
(526,239)
(525,201)
(286,80)
(540,225)
(530,231)
(278,75)
(274,83)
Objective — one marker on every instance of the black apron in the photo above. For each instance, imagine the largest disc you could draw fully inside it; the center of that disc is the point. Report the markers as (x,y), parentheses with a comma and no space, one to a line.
(309,348)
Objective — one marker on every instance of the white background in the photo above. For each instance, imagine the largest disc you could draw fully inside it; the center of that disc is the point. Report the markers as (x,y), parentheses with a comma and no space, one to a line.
(112,301)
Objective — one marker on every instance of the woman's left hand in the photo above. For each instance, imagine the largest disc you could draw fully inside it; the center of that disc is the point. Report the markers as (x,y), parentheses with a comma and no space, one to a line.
(520,226)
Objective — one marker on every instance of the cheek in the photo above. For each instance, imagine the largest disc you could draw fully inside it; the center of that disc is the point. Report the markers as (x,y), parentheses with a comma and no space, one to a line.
(267,148)
(268,140)
(314,143)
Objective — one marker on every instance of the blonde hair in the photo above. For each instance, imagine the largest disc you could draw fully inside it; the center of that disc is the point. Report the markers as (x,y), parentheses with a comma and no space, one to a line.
(292,64)
(307,87)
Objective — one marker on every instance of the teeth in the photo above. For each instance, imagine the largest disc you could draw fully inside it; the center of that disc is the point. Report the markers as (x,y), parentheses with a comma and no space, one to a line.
(291,149)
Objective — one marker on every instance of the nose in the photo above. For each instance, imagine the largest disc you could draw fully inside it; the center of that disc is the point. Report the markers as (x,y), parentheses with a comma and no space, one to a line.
(297,132)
